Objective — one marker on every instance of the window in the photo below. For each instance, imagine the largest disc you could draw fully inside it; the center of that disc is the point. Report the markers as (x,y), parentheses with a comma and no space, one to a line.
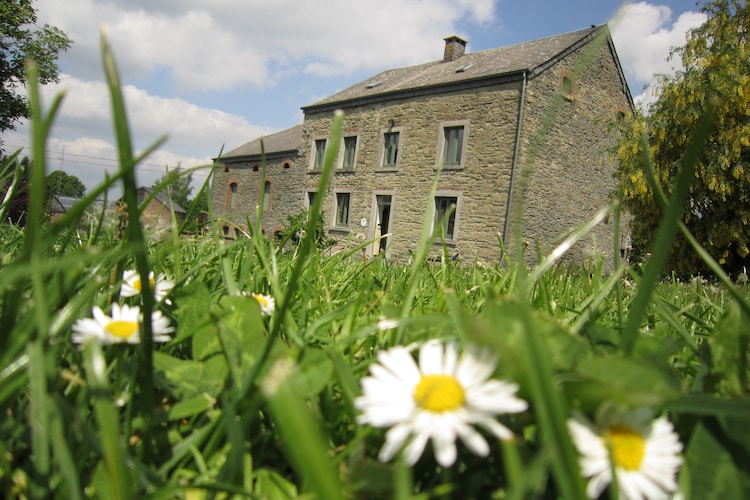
(310,199)
(567,85)
(267,195)
(390,149)
(445,216)
(452,144)
(453,140)
(233,195)
(342,210)
(319,154)
(350,152)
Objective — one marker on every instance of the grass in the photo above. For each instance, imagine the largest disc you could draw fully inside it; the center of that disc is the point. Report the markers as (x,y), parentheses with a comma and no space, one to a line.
(241,404)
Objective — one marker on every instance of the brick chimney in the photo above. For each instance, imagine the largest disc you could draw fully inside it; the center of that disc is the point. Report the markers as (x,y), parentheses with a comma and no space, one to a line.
(454,48)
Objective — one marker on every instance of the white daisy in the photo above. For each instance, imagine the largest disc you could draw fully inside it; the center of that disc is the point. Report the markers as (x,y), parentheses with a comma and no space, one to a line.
(439,399)
(267,304)
(645,453)
(132,286)
(123,326)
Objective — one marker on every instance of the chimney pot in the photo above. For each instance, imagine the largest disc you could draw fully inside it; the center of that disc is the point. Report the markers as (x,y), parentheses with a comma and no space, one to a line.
(455,47)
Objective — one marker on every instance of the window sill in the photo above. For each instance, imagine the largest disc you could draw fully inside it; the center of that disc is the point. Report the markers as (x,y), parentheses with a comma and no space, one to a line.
(340,229)
(448,243)
(387,169)
(451,167)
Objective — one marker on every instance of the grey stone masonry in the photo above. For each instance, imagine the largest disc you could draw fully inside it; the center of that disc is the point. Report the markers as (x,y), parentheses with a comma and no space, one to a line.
(514,141)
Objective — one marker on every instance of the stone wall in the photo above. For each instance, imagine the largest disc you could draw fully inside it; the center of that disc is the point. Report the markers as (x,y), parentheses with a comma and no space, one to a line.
(287,179)
(481,185)
(563,177)
(567,158)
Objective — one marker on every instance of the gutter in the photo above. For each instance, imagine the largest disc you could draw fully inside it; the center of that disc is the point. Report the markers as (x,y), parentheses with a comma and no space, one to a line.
(514,165)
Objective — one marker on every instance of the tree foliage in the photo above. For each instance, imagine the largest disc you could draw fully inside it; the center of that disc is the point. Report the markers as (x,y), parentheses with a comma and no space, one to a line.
(716,61)
(176,184)
(20,39)
(61,183)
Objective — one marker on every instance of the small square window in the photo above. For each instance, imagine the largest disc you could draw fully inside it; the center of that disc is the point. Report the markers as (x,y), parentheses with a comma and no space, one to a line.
(319,154)
(350,152)
(445,216)
(342,209)
(390,149)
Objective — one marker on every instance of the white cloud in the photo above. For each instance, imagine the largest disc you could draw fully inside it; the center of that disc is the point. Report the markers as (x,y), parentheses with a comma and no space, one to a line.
(219,45)
(644,36)
(83,138)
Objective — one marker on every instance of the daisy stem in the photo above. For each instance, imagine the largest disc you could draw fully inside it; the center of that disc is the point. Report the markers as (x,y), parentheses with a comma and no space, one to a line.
(403,482)
(512,464)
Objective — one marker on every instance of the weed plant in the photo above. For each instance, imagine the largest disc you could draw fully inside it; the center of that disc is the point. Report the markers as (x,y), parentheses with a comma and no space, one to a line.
(249,405)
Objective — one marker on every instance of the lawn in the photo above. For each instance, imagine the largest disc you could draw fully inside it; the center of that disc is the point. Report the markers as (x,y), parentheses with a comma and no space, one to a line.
(268,369)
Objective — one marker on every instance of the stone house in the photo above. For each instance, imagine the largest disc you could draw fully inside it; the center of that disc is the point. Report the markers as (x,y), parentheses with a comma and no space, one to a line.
(157,215)
(519,133)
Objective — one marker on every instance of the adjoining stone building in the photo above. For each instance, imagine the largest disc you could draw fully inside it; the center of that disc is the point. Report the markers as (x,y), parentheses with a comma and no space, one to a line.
(525,130)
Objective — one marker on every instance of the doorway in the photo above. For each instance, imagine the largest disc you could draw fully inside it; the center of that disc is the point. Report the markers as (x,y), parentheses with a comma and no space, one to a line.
(381,217)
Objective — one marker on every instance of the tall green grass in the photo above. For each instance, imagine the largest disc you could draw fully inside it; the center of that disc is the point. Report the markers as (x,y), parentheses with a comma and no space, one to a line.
(239,404)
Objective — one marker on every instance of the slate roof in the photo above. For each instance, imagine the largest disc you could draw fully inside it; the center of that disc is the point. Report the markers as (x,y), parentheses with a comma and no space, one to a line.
(286,141)
(533,56)
(162,198)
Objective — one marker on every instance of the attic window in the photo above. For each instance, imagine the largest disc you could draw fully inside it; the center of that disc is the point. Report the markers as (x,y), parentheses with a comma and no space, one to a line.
(226,168)
(464,68)
(372,85)
(255,168)
(287,165)
(567,85)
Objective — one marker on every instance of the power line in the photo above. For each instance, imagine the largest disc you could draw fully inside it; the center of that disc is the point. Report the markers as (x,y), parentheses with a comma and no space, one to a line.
(89,157)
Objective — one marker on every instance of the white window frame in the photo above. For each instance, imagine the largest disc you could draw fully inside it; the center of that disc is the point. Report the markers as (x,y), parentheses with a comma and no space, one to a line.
(441,144)
(335,215)
(317,160)
(342,155)
(381,160)
(456,215)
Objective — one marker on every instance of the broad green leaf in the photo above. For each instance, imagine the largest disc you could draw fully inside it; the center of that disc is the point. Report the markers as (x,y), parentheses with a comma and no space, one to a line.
(271,485)
(729,351)
(186,378)
(713,474)
(314,372)
(626,381)
(191,406)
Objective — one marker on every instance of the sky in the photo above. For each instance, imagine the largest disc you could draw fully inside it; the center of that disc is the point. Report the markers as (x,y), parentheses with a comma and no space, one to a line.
(215,74)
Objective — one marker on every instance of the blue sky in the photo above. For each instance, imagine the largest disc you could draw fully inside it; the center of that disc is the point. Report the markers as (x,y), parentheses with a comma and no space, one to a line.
(213,73)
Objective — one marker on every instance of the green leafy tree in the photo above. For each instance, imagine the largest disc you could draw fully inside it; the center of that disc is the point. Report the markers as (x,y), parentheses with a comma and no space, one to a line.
(176,184)
(716,60)
(60,183)
(20,39)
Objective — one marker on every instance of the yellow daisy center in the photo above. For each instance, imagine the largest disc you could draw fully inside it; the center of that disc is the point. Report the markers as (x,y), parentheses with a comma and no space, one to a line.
(439,393)
(628,447)
(122,329)
(261,300)
(137,283)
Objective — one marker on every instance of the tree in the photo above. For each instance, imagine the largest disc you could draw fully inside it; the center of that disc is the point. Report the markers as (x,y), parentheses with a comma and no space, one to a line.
(21,39)
(177,186)
(60,183)
(19,197)
(716,61)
